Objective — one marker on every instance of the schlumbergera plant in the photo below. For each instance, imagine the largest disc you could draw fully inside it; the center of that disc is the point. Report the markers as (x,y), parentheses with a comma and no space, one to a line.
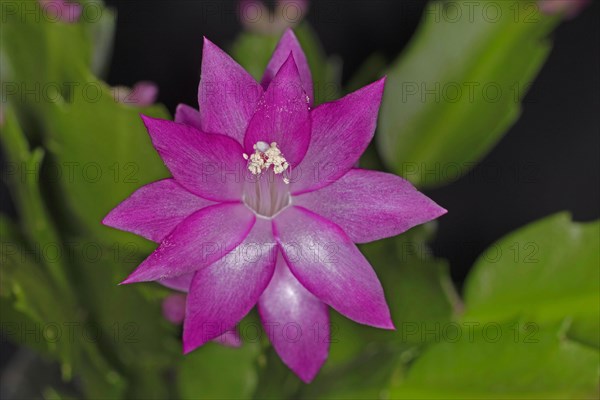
(281,222)
(265,204)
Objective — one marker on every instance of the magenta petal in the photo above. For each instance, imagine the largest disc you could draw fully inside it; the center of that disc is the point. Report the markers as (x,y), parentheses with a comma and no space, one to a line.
(324,259)
(371,205)
(210,166)
(173,308)
(341,131)
(181,283)
(154,210)
(227,95)
(289,43)
(282,115)
(296,321)
(62,10)
(222,294)
(185,114)
(200,240)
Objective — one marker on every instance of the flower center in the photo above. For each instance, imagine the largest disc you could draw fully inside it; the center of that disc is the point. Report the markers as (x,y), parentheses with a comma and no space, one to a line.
(266,189)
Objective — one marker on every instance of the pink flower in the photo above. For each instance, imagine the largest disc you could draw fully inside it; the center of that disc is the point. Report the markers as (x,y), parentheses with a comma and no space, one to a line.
(265,206)
(570,8)
(65,11)
(142,94)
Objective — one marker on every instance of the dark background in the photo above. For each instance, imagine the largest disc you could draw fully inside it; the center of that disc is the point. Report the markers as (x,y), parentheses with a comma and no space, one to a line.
(548,162)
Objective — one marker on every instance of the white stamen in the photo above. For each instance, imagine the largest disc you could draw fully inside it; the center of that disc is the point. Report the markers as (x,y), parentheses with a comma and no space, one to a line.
(266,156)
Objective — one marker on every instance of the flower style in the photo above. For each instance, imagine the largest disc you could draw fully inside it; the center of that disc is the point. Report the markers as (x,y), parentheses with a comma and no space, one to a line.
(265,206)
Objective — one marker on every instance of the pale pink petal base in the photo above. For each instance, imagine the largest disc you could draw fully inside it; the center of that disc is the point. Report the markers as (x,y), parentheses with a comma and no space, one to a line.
(210,166)
(282,115)
(222,294)
(296,322)
(181,283)
(324,259)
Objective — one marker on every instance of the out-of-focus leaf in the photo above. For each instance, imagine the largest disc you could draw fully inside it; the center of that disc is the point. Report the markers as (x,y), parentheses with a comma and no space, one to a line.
(102,154)
(22,174)
(369,71)
(102,32)
(511,361)
(43,56)
(546,271)
(24,292)
(217,372)
(364,361)
(132,325)
(417,286)
(43,317)
(253,51)
(367,376)
(457,89)
(276,380)
(530,323)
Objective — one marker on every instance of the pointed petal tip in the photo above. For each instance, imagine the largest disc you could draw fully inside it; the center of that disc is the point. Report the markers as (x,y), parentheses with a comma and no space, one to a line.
(386,325)
(191,343)
(382,322)
(208,45)
(389,326)
(291,35)
(289,31)
(379,84)
(129,280)
(107,220)
(435,211)
(111,219)
(147,120)
(134,278)
(187,349)
(307,373)
(306,377)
